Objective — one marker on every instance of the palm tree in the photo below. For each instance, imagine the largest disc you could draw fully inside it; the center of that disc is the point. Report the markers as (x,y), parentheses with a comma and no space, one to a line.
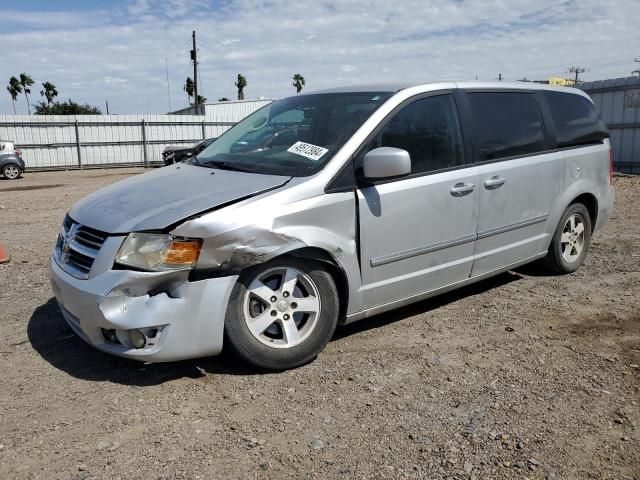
(26,81)
(298,82)
(188,87)
(50,91)
(241,84)
(14,88)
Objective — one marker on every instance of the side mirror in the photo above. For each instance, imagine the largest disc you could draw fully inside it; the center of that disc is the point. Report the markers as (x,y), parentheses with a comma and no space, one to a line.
(188,154)
(386,162)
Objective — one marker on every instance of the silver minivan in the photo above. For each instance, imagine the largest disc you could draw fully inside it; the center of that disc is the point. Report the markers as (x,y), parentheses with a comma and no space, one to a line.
(330,207)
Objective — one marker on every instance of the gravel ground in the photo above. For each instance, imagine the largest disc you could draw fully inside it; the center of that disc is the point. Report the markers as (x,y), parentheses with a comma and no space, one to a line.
(522,376)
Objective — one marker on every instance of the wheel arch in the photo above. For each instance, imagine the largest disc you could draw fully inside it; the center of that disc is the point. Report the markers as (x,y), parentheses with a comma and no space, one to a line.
(591,203)
(335,269)
(11,161)
(583,191)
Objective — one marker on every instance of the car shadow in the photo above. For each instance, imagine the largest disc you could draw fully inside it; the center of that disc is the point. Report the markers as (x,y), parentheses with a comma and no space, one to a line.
(535,269)
(427,305)
(56,343)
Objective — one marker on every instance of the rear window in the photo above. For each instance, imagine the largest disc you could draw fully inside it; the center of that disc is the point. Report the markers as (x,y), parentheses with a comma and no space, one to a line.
(575,118)
(506,124)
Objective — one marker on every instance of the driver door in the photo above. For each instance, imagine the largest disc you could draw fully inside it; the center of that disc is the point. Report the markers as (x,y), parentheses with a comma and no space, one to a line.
(417,233)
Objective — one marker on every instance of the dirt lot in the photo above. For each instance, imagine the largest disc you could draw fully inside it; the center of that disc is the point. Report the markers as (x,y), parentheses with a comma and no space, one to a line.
(523,376)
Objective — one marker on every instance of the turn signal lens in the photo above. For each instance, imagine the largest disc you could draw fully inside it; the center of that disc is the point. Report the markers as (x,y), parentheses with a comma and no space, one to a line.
(183,252)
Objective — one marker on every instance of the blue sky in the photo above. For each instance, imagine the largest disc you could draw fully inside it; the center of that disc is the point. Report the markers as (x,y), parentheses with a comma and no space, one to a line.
(35,5)
(119,51)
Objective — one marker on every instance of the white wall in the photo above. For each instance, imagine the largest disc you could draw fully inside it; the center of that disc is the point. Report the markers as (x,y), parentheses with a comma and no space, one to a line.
(50,141)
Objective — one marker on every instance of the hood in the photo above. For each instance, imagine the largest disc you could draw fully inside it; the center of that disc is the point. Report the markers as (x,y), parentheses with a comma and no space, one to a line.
(157,199)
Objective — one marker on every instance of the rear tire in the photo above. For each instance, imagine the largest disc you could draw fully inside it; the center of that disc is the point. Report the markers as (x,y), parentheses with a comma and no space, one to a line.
(282,314)
(11,171)
(570,242)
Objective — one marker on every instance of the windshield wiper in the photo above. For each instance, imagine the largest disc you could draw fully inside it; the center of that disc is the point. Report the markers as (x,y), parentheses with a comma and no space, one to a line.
(225,166)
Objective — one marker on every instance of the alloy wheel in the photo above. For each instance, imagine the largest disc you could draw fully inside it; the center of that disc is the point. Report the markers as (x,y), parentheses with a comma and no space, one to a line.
(281,307)
(11,172)
(572,238)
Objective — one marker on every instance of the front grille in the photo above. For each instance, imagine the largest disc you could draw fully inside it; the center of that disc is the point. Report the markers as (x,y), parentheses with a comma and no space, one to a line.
(77,247)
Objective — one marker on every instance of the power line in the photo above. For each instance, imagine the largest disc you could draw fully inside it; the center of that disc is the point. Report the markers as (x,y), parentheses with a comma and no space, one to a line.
(610,64)
(583,61)
(600,67)
(618,74)
(543,70)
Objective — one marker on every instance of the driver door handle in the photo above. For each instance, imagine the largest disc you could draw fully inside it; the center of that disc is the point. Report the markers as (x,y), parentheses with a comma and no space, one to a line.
(460,189)
(494,182)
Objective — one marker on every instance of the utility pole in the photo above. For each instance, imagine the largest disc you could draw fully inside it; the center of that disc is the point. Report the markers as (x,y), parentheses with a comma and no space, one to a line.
(194,57)
(577,70)
(637,70)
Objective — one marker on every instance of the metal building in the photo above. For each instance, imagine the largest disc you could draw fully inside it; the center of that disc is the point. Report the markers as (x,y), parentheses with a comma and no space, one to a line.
(618,102)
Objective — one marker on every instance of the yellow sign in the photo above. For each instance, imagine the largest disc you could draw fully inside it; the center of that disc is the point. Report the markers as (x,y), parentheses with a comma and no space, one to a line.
(561,82)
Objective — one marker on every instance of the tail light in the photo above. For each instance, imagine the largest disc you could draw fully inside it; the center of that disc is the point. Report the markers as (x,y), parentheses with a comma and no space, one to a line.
(610,166)
(18,152)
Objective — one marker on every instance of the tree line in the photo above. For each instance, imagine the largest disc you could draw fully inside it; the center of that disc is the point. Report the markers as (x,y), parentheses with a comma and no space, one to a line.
(23,84)
(240,83)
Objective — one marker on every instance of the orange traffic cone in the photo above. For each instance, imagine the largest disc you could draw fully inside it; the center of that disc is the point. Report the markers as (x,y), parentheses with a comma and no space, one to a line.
(4,256)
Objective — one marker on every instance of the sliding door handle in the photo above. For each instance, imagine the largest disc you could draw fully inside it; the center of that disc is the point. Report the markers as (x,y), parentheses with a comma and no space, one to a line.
(494,182)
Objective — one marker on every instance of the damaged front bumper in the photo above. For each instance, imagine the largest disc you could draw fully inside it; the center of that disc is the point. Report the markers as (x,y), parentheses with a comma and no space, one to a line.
(114,310)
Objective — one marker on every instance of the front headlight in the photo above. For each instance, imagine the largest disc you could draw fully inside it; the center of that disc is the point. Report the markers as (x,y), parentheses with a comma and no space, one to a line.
(159,252)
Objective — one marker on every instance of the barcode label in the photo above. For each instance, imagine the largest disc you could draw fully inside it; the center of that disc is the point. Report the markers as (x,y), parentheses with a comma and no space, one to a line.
(308,150)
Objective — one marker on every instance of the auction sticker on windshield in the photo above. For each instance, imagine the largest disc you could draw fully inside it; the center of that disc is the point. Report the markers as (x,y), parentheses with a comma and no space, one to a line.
(308,150)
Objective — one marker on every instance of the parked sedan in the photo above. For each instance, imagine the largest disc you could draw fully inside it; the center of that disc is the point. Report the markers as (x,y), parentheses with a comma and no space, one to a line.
(11,163)
(178,153)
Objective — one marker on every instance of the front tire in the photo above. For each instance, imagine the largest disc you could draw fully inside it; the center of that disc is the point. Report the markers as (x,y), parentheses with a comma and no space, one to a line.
(283,313)
(571,241)
(11,171)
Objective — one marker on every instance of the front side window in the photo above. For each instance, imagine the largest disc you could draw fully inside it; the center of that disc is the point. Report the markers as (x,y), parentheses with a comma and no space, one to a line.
(575,118)
(506,124)
(429,130)
(295,136)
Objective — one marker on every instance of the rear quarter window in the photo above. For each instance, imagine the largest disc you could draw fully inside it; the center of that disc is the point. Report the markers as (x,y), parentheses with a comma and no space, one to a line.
(575,119)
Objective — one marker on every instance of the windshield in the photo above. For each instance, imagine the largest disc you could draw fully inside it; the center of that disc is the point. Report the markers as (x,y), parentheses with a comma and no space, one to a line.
(295,136)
